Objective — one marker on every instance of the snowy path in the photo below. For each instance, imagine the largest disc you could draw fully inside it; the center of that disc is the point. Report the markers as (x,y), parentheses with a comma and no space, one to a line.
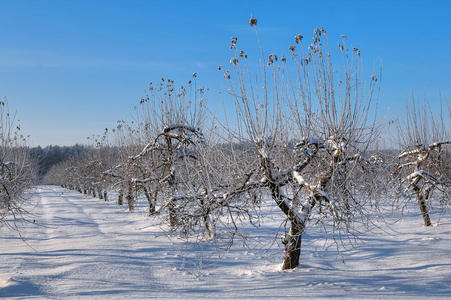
(86,248)
(78,250)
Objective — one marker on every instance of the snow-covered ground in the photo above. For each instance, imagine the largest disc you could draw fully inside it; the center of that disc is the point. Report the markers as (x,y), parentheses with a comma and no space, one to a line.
(81,247)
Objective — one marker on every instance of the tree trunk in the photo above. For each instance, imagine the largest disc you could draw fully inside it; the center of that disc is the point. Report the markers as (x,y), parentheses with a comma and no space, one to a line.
(423,208)
(120,198)
(172,213)
(150,200)
(293,240)
(206,220)
(99,192)
(130,202)
(130,199)
(292,247)
(171,183)
(172,205)
(105,195)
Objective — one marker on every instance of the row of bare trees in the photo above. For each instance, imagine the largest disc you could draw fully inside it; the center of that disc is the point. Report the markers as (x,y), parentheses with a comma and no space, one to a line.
(305,136)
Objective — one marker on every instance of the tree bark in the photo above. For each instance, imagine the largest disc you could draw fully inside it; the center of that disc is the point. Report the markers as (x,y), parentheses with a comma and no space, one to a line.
(130,202)
(293,243)
(150,200)
(171,183)
(206,220)
(172,213)
(120,198)
(130,199)
(292,247)
(422,204)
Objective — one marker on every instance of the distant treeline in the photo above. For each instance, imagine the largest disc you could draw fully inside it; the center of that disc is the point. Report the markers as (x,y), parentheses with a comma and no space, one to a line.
(51,155)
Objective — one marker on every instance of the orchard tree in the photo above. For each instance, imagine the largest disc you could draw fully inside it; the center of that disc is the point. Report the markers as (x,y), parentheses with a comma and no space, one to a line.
(122,172)
(310,128)
(170,120)
(424,164)
(165,140)
(17,170)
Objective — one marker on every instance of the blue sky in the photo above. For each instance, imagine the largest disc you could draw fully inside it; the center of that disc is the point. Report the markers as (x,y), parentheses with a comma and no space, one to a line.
(72,68)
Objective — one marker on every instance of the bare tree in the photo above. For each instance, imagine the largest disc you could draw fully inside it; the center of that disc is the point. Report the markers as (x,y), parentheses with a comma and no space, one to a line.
(424,164)
(164,140)
(121,171)
(310,136)
(17,171)
(171,119)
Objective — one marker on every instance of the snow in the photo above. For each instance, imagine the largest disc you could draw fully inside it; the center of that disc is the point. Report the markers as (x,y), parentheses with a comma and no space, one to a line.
(415,175)
(85,248)
(300,180)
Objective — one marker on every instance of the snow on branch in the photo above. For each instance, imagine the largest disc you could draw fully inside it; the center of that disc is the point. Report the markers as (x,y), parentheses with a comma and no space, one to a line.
(438,144)
(407,153)
(423,148)
(167,131)
(143,180)
(180,126)
(314,189)
(113,174)
(411,163)
(148,148)
(422,174)
(310,141)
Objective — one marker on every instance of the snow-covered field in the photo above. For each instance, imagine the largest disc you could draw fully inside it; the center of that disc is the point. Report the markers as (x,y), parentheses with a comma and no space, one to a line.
(81,247)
